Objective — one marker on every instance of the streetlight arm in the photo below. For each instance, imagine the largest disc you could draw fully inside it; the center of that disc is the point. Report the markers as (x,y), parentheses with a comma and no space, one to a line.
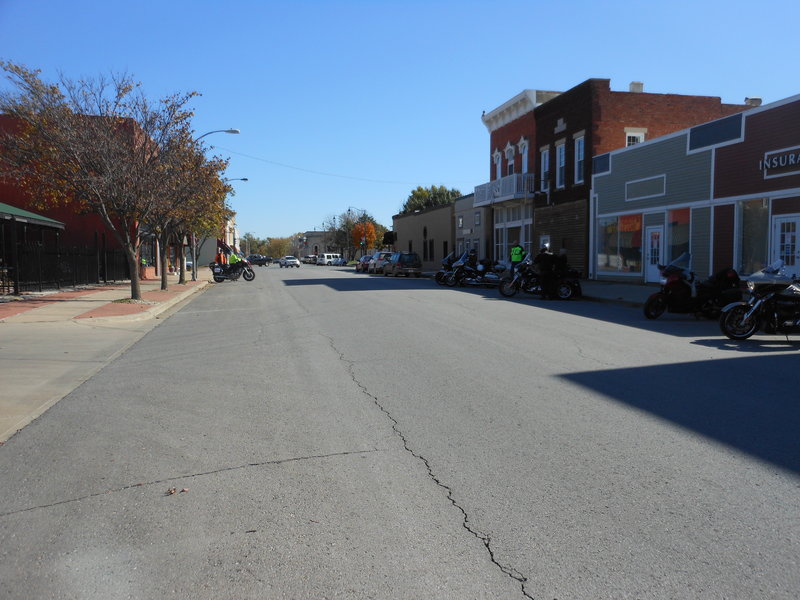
(218,131)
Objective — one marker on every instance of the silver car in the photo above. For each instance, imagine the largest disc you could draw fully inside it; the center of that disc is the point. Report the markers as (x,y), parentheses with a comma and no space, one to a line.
(289,262)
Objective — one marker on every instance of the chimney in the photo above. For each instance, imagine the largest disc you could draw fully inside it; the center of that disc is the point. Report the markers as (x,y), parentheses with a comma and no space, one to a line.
(755,101)
(636,87)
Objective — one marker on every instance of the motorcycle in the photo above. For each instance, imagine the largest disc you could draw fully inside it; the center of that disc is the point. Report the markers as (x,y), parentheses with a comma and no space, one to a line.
(528,279)
(447,268)
(773,306)
(469,271)
(681,293)
(232,272)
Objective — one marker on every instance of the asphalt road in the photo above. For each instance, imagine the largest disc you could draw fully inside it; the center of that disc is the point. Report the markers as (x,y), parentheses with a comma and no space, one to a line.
(334,435)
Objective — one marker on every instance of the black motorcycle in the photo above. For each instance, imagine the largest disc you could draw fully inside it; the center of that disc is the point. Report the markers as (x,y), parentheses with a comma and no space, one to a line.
(566,282)
(469,271)
(773,306)
(682,293)
(447,268)
(232,272)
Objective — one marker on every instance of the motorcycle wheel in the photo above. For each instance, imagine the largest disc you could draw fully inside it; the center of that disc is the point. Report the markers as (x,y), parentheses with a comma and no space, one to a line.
(564,291)
(219,278)
(248,275)
(733,325)
(451,280)
(655,306)
(508,288)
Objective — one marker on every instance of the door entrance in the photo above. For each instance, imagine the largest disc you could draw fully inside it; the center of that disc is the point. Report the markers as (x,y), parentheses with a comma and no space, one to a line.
(654,235)
(786,242)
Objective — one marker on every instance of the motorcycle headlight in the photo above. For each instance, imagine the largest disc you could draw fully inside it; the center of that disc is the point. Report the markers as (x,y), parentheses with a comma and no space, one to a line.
(751,286)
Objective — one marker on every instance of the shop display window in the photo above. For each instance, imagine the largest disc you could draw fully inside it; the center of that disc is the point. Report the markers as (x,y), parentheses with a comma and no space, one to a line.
(619,242)
(678,232)
(753,235)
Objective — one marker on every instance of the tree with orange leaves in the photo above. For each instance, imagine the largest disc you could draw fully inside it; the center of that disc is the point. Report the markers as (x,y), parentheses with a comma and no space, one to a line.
(364,235)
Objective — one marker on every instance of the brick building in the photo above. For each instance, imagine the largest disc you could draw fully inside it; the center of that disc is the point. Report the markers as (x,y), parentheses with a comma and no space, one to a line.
(541,146)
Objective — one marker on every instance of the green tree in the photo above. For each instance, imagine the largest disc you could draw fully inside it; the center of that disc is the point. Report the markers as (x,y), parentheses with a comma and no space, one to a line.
(424,198)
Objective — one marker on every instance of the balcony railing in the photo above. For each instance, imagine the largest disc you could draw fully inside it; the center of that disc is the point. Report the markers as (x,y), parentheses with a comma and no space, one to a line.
(519,185)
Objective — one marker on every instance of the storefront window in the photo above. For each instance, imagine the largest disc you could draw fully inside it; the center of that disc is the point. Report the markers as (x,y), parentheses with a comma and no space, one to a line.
(619,244)
(754,236)
(678,232)
(630,243)
(607,245)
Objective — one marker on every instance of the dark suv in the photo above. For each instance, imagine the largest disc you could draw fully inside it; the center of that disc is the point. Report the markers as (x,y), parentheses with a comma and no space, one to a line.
(403,263)
(257,259)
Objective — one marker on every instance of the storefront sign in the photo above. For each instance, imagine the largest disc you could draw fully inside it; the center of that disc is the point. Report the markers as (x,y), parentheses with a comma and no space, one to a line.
(780,163)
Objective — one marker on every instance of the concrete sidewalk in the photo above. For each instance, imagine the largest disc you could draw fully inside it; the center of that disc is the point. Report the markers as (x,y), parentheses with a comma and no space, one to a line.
(96,302)
(50,343)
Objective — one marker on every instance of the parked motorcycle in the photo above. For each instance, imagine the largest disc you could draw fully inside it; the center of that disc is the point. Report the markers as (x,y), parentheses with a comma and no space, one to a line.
(447,268)
(773,306)
(469,271)
(232,272)
(682,293)
(526,278)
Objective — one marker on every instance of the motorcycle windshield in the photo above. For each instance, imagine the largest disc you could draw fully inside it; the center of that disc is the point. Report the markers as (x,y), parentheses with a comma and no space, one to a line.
(683,262)
(460,262)
(774,273)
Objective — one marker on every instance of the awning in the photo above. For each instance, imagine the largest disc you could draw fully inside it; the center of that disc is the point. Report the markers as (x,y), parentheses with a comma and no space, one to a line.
(23,216)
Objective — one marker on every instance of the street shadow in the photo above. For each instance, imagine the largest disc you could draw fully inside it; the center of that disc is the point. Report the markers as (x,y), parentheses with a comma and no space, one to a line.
(361,282)
(761,418)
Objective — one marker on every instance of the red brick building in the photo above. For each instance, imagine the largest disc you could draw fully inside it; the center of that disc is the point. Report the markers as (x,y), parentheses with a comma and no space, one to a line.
(541,147)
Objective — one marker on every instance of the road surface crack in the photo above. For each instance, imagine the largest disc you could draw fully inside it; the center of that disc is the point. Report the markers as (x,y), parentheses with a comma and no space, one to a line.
(483,537)
(123,488)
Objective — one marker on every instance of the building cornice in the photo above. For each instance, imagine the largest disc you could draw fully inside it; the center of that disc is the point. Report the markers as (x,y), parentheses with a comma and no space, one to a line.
(513,109)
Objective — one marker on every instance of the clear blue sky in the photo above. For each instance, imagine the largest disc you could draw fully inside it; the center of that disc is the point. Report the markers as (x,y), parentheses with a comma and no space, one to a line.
(354,103)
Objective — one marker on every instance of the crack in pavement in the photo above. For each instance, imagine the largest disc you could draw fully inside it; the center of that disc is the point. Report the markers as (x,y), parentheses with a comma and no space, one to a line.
(483,537)
(188,476)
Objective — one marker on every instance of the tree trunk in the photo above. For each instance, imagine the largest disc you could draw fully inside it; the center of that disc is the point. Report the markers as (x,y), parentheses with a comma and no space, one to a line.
(181,260)
(133,267)
(162,255)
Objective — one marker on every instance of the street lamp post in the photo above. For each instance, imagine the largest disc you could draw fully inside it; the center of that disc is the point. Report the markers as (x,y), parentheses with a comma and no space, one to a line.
(362,212)
(194,238)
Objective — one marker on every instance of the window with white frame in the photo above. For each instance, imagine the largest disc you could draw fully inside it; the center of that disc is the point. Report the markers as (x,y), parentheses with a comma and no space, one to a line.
(509,159)
(545,170)
(460,221)
(634,135)
(632,139)
(561,165)
(579,159)
(523,150)
(498,165)
(477,218)
(499,243)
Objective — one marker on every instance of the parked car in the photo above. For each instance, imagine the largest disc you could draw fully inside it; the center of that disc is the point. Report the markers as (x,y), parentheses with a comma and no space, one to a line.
(339,262)
(403,263)
(310,259)
(363,263)
(258,259)
(377,261)
(289,262)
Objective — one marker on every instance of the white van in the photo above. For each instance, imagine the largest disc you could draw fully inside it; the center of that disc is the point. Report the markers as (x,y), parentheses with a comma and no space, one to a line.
(327,259)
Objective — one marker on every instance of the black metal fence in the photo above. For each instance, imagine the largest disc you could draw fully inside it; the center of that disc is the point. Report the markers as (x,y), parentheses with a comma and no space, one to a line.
(36,266)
